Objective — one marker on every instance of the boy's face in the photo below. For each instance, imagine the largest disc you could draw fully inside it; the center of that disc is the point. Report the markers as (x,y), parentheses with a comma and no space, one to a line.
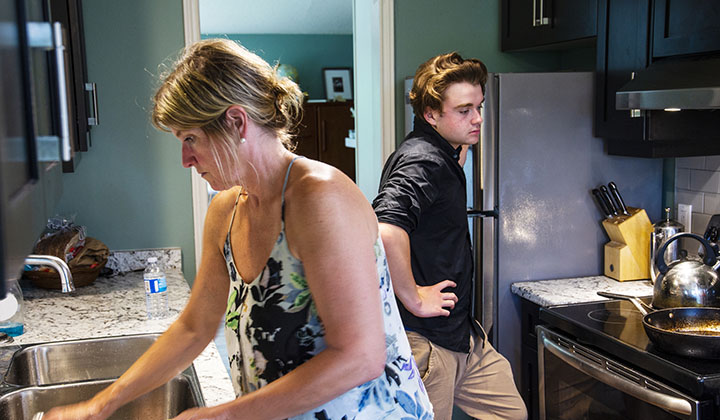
(459,120)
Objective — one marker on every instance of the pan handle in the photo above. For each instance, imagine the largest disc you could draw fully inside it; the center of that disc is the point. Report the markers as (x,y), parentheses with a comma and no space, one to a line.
(658,399)
(639,304)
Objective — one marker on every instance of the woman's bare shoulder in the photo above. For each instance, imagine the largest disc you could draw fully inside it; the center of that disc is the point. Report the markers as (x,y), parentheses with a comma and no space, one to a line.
(314,180)
(320,193)
(220,208)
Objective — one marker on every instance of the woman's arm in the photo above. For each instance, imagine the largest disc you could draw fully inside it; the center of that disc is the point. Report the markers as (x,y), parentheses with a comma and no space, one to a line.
(182,342)
(332,229)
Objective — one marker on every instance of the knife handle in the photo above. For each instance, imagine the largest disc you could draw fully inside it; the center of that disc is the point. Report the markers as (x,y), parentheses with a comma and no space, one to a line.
(598,198)
(605,194)
(618,199)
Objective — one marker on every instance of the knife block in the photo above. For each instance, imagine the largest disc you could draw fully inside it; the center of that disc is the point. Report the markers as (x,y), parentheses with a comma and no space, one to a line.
(627,255)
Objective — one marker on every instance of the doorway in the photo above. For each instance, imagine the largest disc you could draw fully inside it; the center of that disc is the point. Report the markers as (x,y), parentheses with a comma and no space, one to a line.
(373,80)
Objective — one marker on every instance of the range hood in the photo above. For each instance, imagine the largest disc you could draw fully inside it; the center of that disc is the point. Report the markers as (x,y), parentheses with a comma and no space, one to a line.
(673,84)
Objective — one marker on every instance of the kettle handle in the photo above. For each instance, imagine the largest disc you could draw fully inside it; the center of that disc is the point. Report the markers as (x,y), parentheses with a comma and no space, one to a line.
(709,258)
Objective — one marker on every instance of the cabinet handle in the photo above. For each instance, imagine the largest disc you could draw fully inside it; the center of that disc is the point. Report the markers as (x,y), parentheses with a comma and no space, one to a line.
(95,119)
(542,20)
(635,113)
(65,148)
(323,141)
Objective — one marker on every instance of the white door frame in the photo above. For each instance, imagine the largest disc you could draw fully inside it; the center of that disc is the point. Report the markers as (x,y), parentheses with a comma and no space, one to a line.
(374,78)
(191,23)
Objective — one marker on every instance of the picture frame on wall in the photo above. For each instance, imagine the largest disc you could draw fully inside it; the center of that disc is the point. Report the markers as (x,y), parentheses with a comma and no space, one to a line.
(338,84)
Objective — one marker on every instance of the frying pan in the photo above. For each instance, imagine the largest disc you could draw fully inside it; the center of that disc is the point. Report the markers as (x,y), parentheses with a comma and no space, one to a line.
(687,331)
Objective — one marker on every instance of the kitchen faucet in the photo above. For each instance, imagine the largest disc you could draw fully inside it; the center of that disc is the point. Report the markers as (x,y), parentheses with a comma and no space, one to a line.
(59,265)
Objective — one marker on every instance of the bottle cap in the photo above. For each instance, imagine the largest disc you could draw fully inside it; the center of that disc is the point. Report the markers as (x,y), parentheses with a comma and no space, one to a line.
(152,260)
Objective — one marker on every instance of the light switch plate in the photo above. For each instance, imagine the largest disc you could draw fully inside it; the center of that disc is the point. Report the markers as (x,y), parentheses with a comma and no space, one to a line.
(684,214)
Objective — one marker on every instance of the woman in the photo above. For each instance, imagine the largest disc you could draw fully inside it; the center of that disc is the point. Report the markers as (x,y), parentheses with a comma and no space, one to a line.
(311,323)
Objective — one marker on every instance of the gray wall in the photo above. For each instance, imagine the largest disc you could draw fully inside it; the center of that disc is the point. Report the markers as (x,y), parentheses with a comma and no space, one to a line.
(130,189)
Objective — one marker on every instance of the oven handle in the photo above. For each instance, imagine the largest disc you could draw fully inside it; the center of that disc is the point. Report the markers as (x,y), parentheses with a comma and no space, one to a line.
(658,399)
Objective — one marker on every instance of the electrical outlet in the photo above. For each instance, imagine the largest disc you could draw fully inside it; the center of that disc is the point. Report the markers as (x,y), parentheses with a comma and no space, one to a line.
(684,215)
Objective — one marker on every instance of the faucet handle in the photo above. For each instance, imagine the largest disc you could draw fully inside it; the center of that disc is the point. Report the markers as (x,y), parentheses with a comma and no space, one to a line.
(58,264)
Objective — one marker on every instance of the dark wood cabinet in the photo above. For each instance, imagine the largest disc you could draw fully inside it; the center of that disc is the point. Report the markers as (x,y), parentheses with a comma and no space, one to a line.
(622,49)
(631,36)
(530,313)
(82,95)
(685,27)
(322,134)
(547,23)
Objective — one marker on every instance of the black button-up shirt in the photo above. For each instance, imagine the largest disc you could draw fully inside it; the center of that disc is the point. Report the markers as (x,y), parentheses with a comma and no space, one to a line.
(423,191)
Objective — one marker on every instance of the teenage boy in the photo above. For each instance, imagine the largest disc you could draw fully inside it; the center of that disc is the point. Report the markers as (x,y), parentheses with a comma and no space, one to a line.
(421,208)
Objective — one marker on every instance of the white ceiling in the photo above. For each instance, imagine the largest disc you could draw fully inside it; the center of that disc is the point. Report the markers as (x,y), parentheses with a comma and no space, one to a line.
(276,16)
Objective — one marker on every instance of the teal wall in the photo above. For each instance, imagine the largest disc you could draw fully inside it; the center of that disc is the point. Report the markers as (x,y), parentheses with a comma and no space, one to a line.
(425,28)
(309,54)
(130,189)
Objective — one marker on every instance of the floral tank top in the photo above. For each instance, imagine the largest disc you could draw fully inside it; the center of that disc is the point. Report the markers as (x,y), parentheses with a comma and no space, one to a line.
(272,326)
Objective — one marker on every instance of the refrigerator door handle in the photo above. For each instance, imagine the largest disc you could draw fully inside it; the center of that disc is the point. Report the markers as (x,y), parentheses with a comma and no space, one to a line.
(482,213)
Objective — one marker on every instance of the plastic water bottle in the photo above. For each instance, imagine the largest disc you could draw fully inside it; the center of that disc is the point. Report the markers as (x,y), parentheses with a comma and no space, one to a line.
(156,298)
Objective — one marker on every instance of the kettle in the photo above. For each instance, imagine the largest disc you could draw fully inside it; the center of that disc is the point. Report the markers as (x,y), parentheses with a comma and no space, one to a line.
(662,231)
(689,281)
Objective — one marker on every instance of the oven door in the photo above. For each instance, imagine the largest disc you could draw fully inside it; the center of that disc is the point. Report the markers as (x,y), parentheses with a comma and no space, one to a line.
(576,382)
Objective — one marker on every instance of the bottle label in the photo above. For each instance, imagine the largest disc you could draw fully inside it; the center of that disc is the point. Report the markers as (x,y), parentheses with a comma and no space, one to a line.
(157,285)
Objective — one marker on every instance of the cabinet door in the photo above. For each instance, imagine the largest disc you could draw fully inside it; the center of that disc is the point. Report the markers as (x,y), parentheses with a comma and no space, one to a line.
(69,14)
(22,210)
(531,23)
(529,371)
(685,27)
(623,35)
(334,121)
(306,140)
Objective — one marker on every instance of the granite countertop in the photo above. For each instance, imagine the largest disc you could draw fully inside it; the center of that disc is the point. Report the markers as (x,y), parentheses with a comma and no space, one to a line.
(578,289)
(113,306)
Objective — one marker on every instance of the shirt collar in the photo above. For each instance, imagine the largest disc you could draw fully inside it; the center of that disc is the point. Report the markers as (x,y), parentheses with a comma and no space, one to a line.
(423,126)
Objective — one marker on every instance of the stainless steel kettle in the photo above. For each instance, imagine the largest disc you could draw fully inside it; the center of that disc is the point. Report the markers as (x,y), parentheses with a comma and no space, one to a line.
(688,281)
(662,231)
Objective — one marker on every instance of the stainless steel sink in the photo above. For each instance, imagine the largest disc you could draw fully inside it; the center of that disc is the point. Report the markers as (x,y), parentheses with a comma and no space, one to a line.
(43,376)
(78,360)
(181,393)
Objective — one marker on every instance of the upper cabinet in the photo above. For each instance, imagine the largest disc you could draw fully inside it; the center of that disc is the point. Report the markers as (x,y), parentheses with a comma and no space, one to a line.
(41,118)
(622,50)
(547,23)
(81,94)
(685,27)
(648,48)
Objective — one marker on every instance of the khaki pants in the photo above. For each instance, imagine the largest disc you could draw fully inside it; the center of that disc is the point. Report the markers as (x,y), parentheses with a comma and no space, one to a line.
(480,383)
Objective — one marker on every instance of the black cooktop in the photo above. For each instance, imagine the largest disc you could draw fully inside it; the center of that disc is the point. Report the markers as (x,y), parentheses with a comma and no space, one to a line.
(615,328)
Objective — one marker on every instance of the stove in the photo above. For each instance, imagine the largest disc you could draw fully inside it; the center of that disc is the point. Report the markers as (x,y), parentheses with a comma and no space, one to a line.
(614,328)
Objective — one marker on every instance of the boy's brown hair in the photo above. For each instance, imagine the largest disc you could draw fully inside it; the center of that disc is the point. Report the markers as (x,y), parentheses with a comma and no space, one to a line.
(434,76)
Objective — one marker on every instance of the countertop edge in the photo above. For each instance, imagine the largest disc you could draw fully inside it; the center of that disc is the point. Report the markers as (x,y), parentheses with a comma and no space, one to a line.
(573,290)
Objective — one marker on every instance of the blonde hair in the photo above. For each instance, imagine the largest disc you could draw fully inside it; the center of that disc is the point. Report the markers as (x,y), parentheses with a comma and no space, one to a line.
(215,74)
(434,76)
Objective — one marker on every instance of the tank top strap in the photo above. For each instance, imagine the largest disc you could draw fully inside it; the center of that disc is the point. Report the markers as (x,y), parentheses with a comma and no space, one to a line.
(287,175)
(232,217)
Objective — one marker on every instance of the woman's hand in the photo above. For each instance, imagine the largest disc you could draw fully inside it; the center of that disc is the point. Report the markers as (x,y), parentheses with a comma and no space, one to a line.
(86,410)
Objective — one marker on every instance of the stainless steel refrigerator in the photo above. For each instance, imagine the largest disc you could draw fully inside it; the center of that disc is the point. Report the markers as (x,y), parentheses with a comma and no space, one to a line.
(529,181)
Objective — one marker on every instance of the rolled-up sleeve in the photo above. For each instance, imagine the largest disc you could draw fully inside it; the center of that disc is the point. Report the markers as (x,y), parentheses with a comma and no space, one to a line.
(407,188)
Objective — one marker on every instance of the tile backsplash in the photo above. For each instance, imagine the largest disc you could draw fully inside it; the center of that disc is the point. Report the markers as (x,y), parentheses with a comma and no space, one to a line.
(697,182)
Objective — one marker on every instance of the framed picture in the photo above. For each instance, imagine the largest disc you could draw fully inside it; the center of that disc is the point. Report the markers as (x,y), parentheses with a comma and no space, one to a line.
(338,85)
